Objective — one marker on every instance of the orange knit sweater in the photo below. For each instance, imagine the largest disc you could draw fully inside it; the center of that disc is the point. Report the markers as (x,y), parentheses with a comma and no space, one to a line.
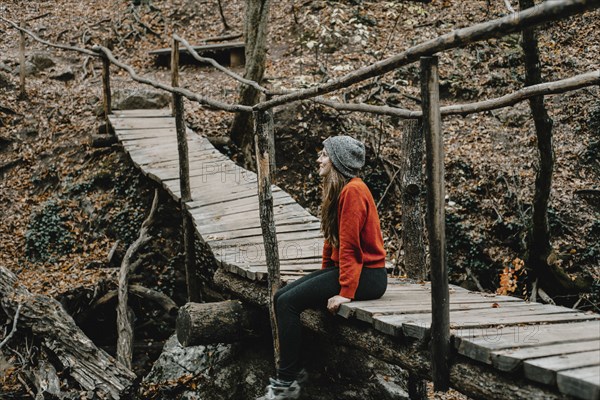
(361,241)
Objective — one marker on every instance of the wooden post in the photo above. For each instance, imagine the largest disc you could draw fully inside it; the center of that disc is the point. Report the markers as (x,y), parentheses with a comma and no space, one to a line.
(191,270)
(22,93)
(270,129)
(440,308)
(263,127)
(106,95)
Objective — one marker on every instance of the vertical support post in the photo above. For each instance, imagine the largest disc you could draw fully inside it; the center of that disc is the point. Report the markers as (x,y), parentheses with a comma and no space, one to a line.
(263,129)
(191,273)
(22,93)
(440,307)
(106,94)
(270,129)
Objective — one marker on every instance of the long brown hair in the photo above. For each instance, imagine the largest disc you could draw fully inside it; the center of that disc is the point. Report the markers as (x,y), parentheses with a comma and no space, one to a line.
(333,184)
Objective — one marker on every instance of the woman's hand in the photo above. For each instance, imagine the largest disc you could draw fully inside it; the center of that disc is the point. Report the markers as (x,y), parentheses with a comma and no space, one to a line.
(334,303)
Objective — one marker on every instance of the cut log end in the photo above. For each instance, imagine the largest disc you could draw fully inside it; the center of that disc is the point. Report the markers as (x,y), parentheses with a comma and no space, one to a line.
(223,322)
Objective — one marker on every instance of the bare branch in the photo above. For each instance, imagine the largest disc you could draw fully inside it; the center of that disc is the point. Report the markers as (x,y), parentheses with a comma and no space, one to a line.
(59,46)
(542,13)
(124,324)
(387,188)
(14,326)
(564,85)
(361,107)
(509,6)
(218,66)
(184,92)
(548,88)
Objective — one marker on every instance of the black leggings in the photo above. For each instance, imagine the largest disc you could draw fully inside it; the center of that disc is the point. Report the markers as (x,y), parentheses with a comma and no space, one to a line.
(312,291)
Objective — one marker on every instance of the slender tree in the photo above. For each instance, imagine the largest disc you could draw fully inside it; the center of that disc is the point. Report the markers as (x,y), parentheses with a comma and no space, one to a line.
(255,37)
(540,257)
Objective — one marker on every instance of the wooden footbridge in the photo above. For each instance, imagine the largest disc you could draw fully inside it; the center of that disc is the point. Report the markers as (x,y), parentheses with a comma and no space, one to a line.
(554,347)
(506,348)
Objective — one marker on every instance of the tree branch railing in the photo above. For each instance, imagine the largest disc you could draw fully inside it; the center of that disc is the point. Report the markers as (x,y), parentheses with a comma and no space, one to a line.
(221,68)
(542,89)
(58,46)
(546,12)
(219,105)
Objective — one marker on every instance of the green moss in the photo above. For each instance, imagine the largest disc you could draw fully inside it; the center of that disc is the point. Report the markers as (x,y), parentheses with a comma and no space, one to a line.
(47,234)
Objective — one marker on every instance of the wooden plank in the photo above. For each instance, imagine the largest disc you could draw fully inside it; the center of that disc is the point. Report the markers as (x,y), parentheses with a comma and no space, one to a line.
(258,239)
(251,215)
(479,343)
(169,173)
(417,325)
(366,313)
(254,253)
(146,113)
(511,360)
(415,296)
(251,206)
(290,243)
(583,383)
(249,232)
(208,196)
(543,370)
(142,123)
(140,140)
(218,228)
(213,198)
(279,197)
(136,134)
(168,160)
(299,263)
(223,174)
(201,172)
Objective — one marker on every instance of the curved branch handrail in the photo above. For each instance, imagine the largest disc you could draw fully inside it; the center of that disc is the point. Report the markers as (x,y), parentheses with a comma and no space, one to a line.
(218,66)
(96,52)
(184,92)
(545,12)
(59,46)
(542,89)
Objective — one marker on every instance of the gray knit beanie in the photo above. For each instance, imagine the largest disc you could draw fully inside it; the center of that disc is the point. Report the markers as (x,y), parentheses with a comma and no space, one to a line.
(346,153)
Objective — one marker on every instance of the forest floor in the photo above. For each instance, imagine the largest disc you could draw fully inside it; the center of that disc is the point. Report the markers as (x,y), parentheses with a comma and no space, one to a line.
(64,205)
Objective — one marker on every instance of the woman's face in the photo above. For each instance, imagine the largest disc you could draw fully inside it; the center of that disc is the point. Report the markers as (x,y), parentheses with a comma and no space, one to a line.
(324,163)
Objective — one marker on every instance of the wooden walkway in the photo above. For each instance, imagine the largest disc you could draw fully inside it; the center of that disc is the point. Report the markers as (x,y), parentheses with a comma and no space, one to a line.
(551,345)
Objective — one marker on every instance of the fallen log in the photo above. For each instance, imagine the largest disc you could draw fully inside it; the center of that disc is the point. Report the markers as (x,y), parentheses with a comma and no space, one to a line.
(222,322)
(90,366)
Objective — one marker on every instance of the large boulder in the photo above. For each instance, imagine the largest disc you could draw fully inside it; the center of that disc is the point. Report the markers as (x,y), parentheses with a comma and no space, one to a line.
(212,372)
(35,63)
(41,61)
(177,361)
(135,99)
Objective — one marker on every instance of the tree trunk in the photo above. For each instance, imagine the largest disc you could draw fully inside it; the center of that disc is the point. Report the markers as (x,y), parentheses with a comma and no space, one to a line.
(62,339)
(223,322)
(412,222)
(412,211)
(539,258)
(255,36)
